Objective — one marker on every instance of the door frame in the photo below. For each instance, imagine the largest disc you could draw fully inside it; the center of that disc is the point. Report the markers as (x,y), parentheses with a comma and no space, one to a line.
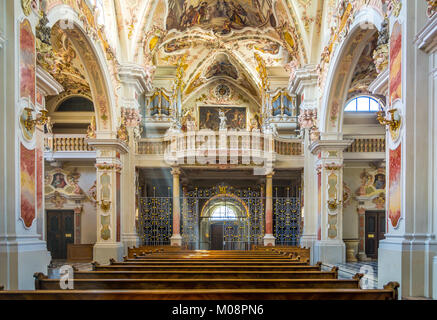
(377,232)
(47,211)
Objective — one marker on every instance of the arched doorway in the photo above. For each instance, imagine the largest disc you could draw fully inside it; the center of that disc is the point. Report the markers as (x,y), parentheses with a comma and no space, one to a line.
(239,213)
(224,224)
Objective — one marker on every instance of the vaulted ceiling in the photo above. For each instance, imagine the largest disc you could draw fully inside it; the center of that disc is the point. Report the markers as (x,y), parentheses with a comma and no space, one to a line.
(219,38)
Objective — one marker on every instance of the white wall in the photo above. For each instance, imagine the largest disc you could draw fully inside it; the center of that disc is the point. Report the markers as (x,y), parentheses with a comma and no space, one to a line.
(351,177)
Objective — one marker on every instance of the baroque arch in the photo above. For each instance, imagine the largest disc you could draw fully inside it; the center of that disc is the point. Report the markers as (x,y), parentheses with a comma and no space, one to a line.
(94,60)
(341,70)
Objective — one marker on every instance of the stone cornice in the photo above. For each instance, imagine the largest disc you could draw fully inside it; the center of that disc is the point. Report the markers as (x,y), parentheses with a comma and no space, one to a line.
(426,39)
(116,144)
(136,75)
(380,84)
(304,76)
(319,145)
(46,83)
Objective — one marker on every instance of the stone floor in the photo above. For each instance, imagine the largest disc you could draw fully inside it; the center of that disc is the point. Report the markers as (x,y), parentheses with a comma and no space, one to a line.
(348,270)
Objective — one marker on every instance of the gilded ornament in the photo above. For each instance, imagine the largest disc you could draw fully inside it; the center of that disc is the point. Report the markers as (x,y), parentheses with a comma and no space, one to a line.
(432,7)
(27,7)
(393,122)
(105,205)
(91,131)
(333,204)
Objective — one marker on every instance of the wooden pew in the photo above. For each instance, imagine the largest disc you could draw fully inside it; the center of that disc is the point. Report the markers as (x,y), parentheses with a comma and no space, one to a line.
(172,255)
(43,283)
(333,274)
(97,267)
(390,292)
(208,263)
(209,259)
(175,249)
(303,253)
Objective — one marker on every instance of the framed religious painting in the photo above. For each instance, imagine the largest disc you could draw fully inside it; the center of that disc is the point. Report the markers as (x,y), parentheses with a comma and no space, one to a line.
(209,117)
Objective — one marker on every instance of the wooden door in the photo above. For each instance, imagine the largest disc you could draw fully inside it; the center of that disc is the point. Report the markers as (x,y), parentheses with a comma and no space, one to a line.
(217,236)
(60,232)
(375,230)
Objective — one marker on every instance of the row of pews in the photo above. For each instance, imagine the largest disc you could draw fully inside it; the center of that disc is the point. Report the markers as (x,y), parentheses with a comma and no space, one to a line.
(170,273)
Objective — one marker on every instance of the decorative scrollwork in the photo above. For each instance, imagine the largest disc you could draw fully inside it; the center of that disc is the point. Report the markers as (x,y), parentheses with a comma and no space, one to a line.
(156,220)
(287,221)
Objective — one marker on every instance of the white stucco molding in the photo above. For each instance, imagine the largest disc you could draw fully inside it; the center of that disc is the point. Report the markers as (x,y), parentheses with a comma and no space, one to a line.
(137,76)
(380,84)
(321,145)
(114,144)
(46,83)
(426,39)
(306,76)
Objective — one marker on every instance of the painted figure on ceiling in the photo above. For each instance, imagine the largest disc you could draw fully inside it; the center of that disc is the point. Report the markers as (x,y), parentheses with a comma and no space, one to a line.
(219,15)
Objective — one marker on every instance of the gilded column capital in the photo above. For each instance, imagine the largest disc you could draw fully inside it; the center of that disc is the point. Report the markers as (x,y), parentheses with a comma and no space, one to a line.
(270,174)
(175,171)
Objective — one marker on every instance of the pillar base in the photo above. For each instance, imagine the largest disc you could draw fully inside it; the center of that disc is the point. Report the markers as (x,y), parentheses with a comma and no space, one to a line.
(330,251)
(20,258)
(176,240)
(102,252)
(269,240)
(129,240)
(363,257)
(434,278)
(397,256)
(308,240)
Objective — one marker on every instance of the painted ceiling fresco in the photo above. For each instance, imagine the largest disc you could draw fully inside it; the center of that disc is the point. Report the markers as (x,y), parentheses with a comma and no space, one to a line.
(220,15)
(229,30)
(64,64)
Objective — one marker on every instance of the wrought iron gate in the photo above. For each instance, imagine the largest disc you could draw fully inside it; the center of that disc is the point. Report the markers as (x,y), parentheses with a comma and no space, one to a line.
(239,232)
(155,220)
(287,221)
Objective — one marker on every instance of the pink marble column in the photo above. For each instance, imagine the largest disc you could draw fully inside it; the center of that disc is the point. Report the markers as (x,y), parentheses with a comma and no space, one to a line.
(176,239)
(269,239)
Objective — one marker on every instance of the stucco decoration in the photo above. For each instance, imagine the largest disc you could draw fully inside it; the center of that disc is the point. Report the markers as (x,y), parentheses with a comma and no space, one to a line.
(61,188)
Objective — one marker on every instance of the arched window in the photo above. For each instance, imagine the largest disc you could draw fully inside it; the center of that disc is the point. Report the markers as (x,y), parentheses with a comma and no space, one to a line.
(76,104)
(223,213)
(363,104)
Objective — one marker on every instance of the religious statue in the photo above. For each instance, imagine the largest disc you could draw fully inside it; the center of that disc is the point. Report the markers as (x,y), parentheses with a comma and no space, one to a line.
(223,119)
(122,133)
(91,131)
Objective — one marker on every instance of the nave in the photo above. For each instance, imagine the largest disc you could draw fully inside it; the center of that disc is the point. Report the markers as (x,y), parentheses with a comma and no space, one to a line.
(170,273)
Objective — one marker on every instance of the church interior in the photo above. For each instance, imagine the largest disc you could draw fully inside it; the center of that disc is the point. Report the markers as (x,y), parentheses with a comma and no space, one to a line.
(272,149)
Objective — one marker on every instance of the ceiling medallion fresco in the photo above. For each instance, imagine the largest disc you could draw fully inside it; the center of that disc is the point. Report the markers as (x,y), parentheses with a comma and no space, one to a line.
(221,67)
(221,16)
(222,92)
